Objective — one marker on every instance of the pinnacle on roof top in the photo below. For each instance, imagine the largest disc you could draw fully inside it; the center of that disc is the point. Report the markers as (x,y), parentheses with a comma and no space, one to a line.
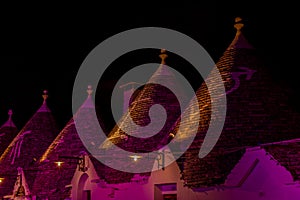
(89,101)
(45,95)
(163,56)
(238,25)
(44,107)
(239,41)
(9,122)
(10,112)
(89,90)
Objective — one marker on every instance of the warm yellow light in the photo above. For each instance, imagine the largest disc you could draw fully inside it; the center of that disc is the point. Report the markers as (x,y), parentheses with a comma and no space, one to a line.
(59,163)
(135,157)
(1,180)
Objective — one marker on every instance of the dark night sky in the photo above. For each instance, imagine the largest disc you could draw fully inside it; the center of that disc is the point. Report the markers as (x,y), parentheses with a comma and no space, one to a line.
(45,48)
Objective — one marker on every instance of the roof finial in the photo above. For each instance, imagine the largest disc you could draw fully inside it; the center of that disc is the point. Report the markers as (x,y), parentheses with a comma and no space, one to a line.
(238,25)
(9,122)
(163,56)
(45,95)
(89,90)
(10,112)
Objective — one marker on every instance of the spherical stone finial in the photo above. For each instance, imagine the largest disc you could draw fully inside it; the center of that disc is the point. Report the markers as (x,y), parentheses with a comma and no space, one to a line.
(238,19)
(45,95)
(238,25)
(89,90)
(163,56)
(10,112)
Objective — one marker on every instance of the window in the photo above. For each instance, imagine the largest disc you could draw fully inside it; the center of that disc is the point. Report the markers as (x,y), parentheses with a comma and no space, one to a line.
(167,191)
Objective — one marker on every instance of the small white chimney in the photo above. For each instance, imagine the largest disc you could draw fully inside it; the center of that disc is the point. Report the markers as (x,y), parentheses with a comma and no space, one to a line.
(128,89)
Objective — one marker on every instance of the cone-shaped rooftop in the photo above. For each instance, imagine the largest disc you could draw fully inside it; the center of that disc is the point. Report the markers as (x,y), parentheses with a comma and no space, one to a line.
(55,170)
(28,146)
(257,112)
(8,131)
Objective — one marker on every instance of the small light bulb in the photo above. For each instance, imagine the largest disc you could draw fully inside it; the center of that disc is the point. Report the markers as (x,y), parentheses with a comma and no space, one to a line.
(135,157)
(59,163)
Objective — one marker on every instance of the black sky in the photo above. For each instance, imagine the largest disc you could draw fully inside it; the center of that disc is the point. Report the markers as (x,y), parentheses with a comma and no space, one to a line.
(44,49)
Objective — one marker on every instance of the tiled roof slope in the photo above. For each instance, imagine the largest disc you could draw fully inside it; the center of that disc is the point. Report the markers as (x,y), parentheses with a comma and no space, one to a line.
(27,147)
(8,131)
(110,175)
(139,110)
(257,112)
(51,179)
(287,154)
